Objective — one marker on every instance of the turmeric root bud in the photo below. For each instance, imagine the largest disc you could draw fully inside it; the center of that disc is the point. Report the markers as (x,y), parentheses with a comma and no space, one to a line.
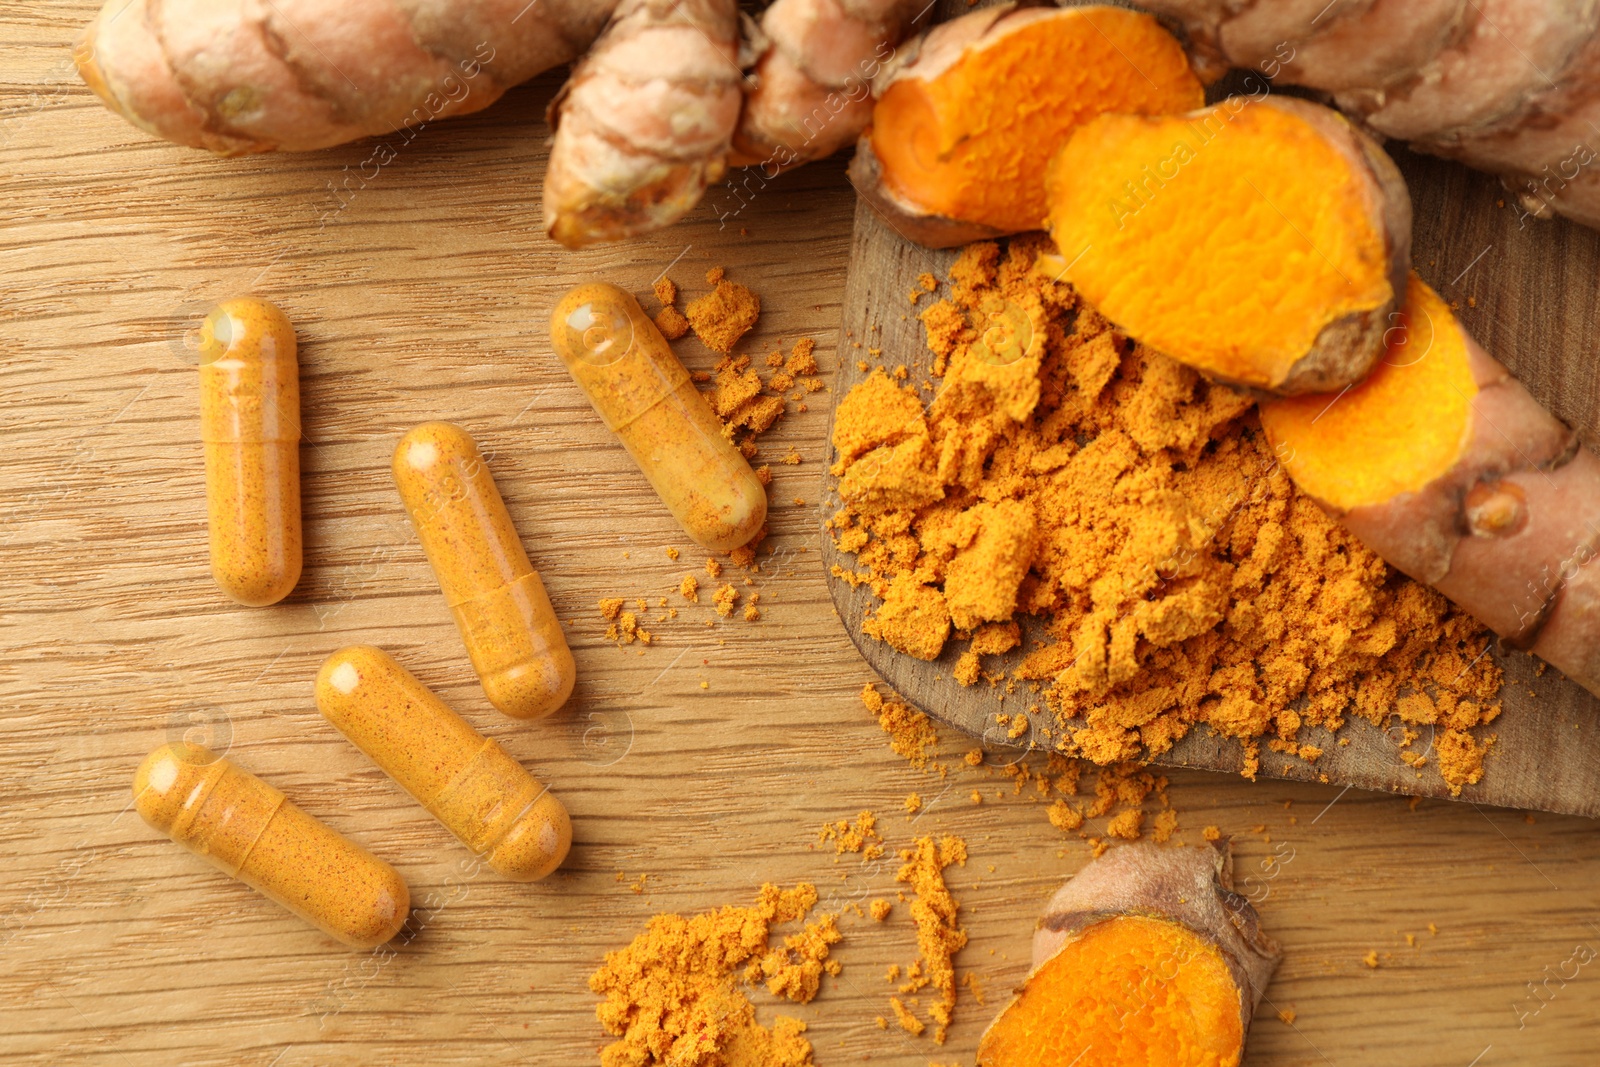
(965,122)
(646,121)
(1444,465)
(1146,956)
(1264,242)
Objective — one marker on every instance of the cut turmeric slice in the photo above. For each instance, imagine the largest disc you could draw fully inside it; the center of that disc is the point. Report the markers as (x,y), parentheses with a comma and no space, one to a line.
(1146,956)
(1264,242)
(963,130)
(1444,465)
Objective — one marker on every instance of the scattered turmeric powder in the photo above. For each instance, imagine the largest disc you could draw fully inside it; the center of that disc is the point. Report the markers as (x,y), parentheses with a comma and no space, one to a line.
(911,733)
(725,598)
(671,996)
(879,909)
(939,932)
(1135,510)
(861,836)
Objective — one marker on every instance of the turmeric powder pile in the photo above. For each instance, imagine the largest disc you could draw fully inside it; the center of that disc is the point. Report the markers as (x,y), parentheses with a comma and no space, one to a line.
(1135,510)
(672,996)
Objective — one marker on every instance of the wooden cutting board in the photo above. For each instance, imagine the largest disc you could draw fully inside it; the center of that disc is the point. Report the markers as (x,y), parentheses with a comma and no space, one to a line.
(1527,291)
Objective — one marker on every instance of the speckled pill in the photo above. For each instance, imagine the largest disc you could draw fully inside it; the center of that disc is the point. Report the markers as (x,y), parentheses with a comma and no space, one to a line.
(465,780)
(646,397)
(250,425)
(500,606)
(253,832)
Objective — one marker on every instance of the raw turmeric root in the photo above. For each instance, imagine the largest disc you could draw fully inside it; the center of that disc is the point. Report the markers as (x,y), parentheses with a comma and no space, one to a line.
(645,122)
(254,76)
(812,84)
(1444,465)
(1507,86)
(966,121)
(1145,956)
(1263,242)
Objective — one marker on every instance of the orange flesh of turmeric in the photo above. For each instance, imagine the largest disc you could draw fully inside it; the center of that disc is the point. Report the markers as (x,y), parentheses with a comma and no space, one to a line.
(1193,235)
(972,143)
(1127,990)
(1397,430)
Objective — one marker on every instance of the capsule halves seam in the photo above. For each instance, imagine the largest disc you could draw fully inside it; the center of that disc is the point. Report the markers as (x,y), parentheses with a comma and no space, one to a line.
(463,779)
(252,832)
(499,603)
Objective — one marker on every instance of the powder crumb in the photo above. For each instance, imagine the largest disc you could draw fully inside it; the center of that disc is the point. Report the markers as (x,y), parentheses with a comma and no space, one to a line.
(1288,1016)
(1211,833)
(611,607)
(713,568)
(974,757)
(1371,959)
(671,996)
(751,613)
(724,599)
(1433,929)
(1064,816)
(883,1024)
(672,323)
(666,291)
(911,733)
(1164,826)
(723,315)
(936,914)
(879,910)
(690,588)
(672,553)
(860,836)
(902,1015)
(1411,940)
(893,973)
(1127,825)
(715,275)
(913,803)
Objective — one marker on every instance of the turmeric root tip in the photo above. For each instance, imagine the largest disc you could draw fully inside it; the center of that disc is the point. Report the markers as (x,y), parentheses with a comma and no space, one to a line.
(1262,242)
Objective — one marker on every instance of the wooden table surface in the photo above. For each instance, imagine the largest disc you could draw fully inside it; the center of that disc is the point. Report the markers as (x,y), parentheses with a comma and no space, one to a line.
(705,761)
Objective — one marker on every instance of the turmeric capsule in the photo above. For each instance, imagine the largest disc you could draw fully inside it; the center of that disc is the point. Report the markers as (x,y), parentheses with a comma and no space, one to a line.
(463,779)
(641,391)
(250,425)
(511,632)
(254,833)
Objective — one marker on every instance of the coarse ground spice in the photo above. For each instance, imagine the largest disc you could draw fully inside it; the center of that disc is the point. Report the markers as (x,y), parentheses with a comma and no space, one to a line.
(1066,473)
(673,995)
(939,932)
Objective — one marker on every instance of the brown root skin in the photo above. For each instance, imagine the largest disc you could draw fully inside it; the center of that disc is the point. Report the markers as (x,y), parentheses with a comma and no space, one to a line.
(1509,87)
(1189,886)
(645,122)
(905,218)
(813,78)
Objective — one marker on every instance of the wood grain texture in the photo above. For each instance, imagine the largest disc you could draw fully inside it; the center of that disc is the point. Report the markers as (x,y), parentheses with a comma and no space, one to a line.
(423,297)
(1548,751)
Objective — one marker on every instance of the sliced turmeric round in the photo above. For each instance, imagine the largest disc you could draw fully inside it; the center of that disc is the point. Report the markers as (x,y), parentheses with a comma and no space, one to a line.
(963,130)
(1146,956)
(1444,465)
(1263,242)
(1341,448)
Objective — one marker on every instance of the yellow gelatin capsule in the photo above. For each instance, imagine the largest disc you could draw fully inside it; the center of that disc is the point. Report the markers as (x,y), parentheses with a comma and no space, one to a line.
(254,833)
(511,632)
(641,391)
(463,779)
(250,424)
